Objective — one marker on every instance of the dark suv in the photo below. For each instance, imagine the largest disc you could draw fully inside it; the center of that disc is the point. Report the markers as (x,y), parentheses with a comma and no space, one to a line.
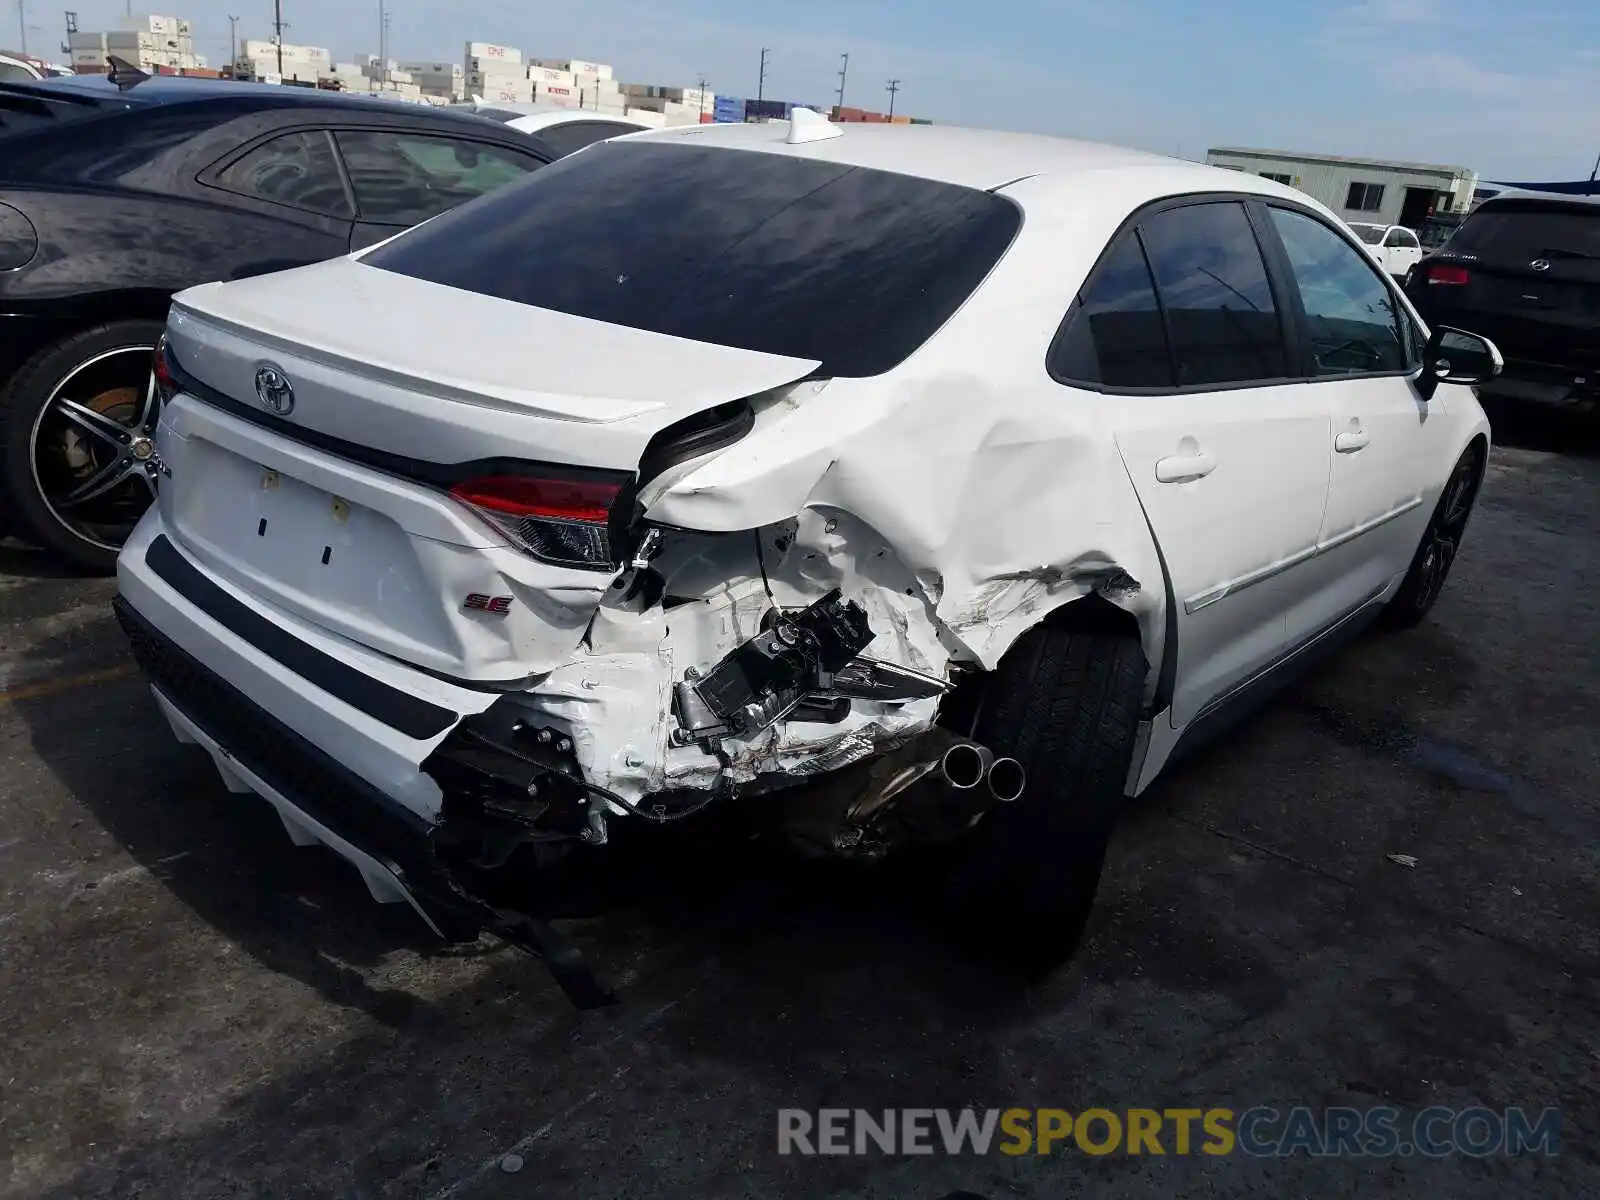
(1524,271)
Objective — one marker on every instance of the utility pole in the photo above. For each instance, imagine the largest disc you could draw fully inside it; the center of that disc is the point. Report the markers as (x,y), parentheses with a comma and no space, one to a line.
(233,43)
(892,87)
(844,69)
(701,86)
(761,80)
(277,30)
(383,42)
(22,23)
(72,28)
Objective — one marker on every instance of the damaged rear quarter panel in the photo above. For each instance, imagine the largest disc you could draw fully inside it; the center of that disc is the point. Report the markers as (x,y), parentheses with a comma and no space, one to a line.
(999,493)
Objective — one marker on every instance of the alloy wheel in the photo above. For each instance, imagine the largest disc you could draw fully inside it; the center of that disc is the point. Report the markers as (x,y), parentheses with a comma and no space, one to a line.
(92,446)
(1445,531)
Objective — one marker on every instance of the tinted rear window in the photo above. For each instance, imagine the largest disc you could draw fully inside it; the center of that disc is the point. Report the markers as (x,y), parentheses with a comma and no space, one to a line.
(1372,235)
(1522,232)
(767,252)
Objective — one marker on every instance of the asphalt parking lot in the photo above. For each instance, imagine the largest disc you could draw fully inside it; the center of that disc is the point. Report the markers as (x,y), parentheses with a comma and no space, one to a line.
(192,1007)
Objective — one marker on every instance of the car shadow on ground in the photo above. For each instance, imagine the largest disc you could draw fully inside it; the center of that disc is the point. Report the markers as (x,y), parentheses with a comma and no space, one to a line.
(745,962)
(22,561)
(1544,427)
(304,913)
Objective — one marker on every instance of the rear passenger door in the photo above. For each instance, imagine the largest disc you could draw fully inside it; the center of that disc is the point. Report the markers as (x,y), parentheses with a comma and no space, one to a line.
(1180,329)
(1362,352)
(401,178)
(1401,251)
(293,179)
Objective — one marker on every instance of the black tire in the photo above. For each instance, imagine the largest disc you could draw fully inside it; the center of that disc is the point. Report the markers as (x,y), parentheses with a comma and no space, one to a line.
(1065,704)
(105,356)
(1436,553)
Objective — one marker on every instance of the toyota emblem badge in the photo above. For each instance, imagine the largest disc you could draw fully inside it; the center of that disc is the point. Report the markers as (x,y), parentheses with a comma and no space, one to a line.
(274,390)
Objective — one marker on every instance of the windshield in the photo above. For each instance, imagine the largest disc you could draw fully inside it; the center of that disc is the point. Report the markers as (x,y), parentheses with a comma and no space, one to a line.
(14,72)
(1372,235)
(767,252)
(1523,231)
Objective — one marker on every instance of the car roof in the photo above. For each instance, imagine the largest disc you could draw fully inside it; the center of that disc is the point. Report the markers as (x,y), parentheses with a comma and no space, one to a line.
(532,117)
(977,158)
(167,90)
(1577,200)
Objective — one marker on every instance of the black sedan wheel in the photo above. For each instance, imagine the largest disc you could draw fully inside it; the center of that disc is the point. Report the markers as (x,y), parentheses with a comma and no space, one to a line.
(1420,589)
(77,429)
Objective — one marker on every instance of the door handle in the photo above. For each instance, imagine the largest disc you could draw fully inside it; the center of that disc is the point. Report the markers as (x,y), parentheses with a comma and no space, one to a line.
(1351,441)
(1181,468)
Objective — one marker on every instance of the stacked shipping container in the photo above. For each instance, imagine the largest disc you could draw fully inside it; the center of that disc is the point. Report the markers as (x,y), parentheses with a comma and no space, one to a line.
(875,118)
(148,42)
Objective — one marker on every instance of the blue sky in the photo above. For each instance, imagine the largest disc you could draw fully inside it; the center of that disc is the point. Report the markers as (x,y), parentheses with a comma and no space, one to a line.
(1510,90)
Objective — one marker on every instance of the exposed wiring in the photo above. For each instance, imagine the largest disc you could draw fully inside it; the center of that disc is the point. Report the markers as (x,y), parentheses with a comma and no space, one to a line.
(761,561)
(656,816)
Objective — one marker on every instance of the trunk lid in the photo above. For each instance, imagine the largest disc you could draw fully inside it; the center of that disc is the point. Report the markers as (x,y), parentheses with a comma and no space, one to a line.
(336,508)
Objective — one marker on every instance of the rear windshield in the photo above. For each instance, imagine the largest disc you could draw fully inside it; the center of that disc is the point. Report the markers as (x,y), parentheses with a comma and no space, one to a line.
(496,114)
(1522,232)
(768,252)
(1372,235)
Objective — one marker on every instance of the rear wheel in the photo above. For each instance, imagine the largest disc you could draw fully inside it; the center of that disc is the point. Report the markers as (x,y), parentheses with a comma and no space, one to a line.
(1065,704)
(1430,567)
(77,428)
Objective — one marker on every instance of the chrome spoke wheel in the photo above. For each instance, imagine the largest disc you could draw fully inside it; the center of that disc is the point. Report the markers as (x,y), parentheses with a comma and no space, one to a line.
(92,446)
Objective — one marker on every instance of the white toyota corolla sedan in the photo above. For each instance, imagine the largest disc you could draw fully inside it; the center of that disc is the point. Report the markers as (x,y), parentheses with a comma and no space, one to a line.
(911,485)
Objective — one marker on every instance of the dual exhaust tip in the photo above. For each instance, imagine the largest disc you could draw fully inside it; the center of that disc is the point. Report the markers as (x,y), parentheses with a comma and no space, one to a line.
(967,765)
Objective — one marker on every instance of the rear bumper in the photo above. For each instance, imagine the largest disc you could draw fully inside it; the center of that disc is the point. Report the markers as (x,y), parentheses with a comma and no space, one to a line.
(317,800)
(320,729)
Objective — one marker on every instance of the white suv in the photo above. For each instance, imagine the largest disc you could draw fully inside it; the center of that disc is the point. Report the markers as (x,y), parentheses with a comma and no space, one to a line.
(915,485)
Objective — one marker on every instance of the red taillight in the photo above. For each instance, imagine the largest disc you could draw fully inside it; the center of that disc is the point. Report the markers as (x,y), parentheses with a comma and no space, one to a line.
(564,521)
(161,370)
(1449,276)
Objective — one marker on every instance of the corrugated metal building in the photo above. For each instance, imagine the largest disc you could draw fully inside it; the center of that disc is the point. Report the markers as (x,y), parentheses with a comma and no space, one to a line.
(1360,189)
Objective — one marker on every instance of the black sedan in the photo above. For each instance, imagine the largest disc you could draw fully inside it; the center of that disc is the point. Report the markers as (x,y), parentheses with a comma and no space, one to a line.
(117,192)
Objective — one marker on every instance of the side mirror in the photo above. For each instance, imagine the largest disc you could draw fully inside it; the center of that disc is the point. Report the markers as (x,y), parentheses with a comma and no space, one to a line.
(1456,356)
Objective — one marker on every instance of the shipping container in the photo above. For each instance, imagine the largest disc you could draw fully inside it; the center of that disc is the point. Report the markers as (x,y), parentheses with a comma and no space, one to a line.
(491,50)
(166,26)
(438,68)
(772,110)
(899,120)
